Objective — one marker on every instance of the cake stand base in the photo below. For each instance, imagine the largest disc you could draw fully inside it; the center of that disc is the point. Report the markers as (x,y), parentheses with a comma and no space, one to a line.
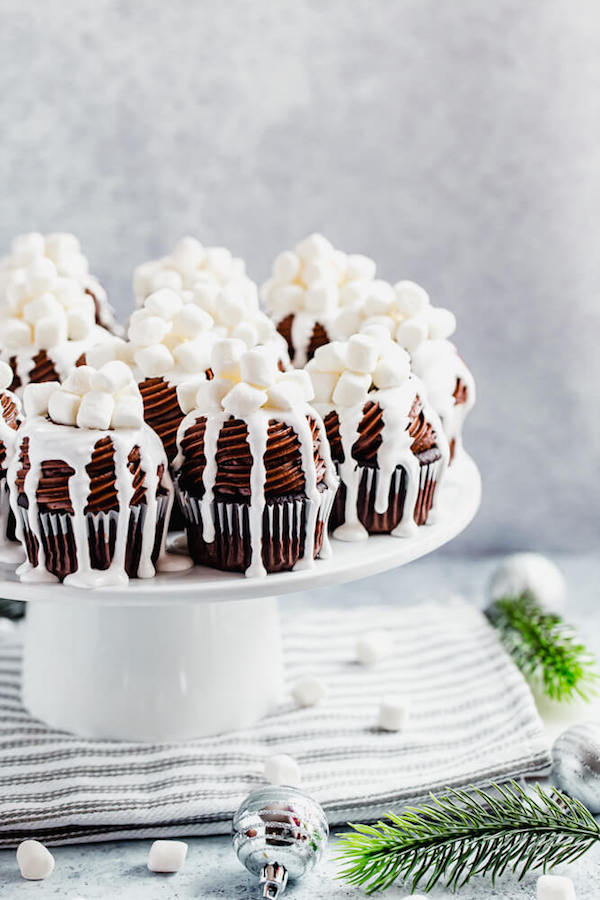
(152,673)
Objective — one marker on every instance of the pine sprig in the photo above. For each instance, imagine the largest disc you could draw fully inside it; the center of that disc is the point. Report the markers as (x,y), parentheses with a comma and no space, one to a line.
(465,833)
(544,648)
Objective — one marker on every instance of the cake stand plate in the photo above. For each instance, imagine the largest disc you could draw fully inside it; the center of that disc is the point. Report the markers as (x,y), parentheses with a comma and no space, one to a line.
(167,659)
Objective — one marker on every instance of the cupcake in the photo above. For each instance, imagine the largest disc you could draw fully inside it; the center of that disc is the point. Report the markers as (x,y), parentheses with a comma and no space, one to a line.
(406,313)
(308,288)
(89,484)
(10,420)
(190,264)
(253,474)
(386,440)
(170,339)
(48,324)
(64,250)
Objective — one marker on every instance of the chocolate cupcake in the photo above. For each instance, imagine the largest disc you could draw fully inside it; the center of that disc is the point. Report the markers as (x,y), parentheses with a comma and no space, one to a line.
(64,250)
(190,264)
(253,474)
(309,287)
(170,342)
(409,318)
(386,441)
(89,484)
(48,323)
(10,420)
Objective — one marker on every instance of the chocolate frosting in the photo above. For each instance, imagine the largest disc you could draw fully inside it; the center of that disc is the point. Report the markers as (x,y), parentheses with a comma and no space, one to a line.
(282,459)
(365,448)
(461,392)
(162,411)
(10,414)
(318,338)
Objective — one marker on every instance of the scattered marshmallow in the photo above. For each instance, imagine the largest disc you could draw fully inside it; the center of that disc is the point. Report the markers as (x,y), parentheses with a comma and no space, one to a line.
(308,691)
(282,769)
(37,396)
(34,860)
(393,713)
(167,856)
(555,887)
(530,573)
(373,646)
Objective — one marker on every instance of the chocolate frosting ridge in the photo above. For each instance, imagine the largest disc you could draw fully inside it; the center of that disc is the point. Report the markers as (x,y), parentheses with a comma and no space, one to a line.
(162,411)
(318,338)
(10,414)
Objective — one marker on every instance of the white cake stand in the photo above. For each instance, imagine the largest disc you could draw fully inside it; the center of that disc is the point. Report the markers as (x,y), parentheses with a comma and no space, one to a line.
(190,654)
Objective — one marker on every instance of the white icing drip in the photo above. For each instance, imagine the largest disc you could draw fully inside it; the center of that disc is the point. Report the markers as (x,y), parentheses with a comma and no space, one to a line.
(10,552)
(75,447)
(257,426)
(438,365)
(303,325)
(351,529)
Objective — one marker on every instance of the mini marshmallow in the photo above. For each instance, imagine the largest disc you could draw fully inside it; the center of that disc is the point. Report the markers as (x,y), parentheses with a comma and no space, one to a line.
(243,400)
(167,856)
(80,322)
(230,307)
(205,296)
(315,246)
(411,298)
(321,270)
(285,395)
(302,379)
(530,573)
(412,332)
(348,321)
(188,253)
(61,246)
(282,769)
(50,331)
(286,298)
(164,303)
(16,334)
(321,297)
(112,377)
(187,392)
(362,353)
(45,304)
(166,278)
(353,292)
(555,887)
(190,321)
(146,330)
(154,361)
(323,385)
(63,407)
(331,357)
(34,860)
(392,369)
(128,412)
(210,394)
(6,376)
(105,351)
(220,260)
(226,356)
(286,266)
(36,397)
(393,713)
(373,646)
(193,356)
(442,323)
(308,691)
(96,410)
(359,267)
(351,389)
(41,275)
(26,247)
(258,368)
(246,332)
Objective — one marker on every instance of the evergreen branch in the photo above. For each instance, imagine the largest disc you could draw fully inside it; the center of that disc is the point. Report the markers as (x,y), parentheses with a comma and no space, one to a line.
(544,648)
(465,833)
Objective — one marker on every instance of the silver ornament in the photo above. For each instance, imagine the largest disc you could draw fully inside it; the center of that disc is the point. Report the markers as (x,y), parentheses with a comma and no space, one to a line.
(279,833)
(576,764)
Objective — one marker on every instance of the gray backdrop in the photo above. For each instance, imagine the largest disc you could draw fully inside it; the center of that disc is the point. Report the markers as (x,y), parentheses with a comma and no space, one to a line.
(455,142)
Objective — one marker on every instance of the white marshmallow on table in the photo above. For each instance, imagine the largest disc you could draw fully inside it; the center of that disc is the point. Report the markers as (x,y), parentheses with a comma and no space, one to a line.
(411,298)
(243,400)
(167,856)
(412,332)
(555,887)
(95,410)
(351,389)
(308,691)
(373,646)
(282,769)
(6,376)
(530,573)
(37,396)
(154,361)
(362,353)
(63,407)
(34,860)
(164,303)
(393,713)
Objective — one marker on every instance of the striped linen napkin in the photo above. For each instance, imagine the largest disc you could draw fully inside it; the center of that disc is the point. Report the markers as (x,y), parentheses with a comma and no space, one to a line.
(472,720)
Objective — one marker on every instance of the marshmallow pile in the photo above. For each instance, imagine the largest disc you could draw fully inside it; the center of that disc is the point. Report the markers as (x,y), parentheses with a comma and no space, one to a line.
(42,309)
(104,398)
(190,264)
(404,311)
(343,372)
(244,382)
(175,330)
(63,249)
(316,278)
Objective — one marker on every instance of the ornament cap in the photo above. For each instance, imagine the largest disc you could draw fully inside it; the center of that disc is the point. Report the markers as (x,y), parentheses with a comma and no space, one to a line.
(275,879)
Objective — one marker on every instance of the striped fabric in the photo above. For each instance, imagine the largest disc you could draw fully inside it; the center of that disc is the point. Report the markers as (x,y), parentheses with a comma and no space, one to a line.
(473,720)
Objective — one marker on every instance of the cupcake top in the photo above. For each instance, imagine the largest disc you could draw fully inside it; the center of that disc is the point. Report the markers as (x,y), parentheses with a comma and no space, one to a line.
(251,434)
(404,311)
(311,283)
(189,264)
(64,250)
(377,415)
(172,334)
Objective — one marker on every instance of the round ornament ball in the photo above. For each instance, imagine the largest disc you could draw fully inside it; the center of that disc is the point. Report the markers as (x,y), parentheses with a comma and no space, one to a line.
(576,764)
(530,573)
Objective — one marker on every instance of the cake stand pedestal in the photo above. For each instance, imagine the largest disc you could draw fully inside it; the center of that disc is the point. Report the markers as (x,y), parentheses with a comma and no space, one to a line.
(191,654)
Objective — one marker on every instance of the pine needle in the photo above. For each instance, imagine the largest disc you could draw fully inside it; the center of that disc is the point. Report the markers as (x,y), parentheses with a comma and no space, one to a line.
(465,833)
(544,648)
